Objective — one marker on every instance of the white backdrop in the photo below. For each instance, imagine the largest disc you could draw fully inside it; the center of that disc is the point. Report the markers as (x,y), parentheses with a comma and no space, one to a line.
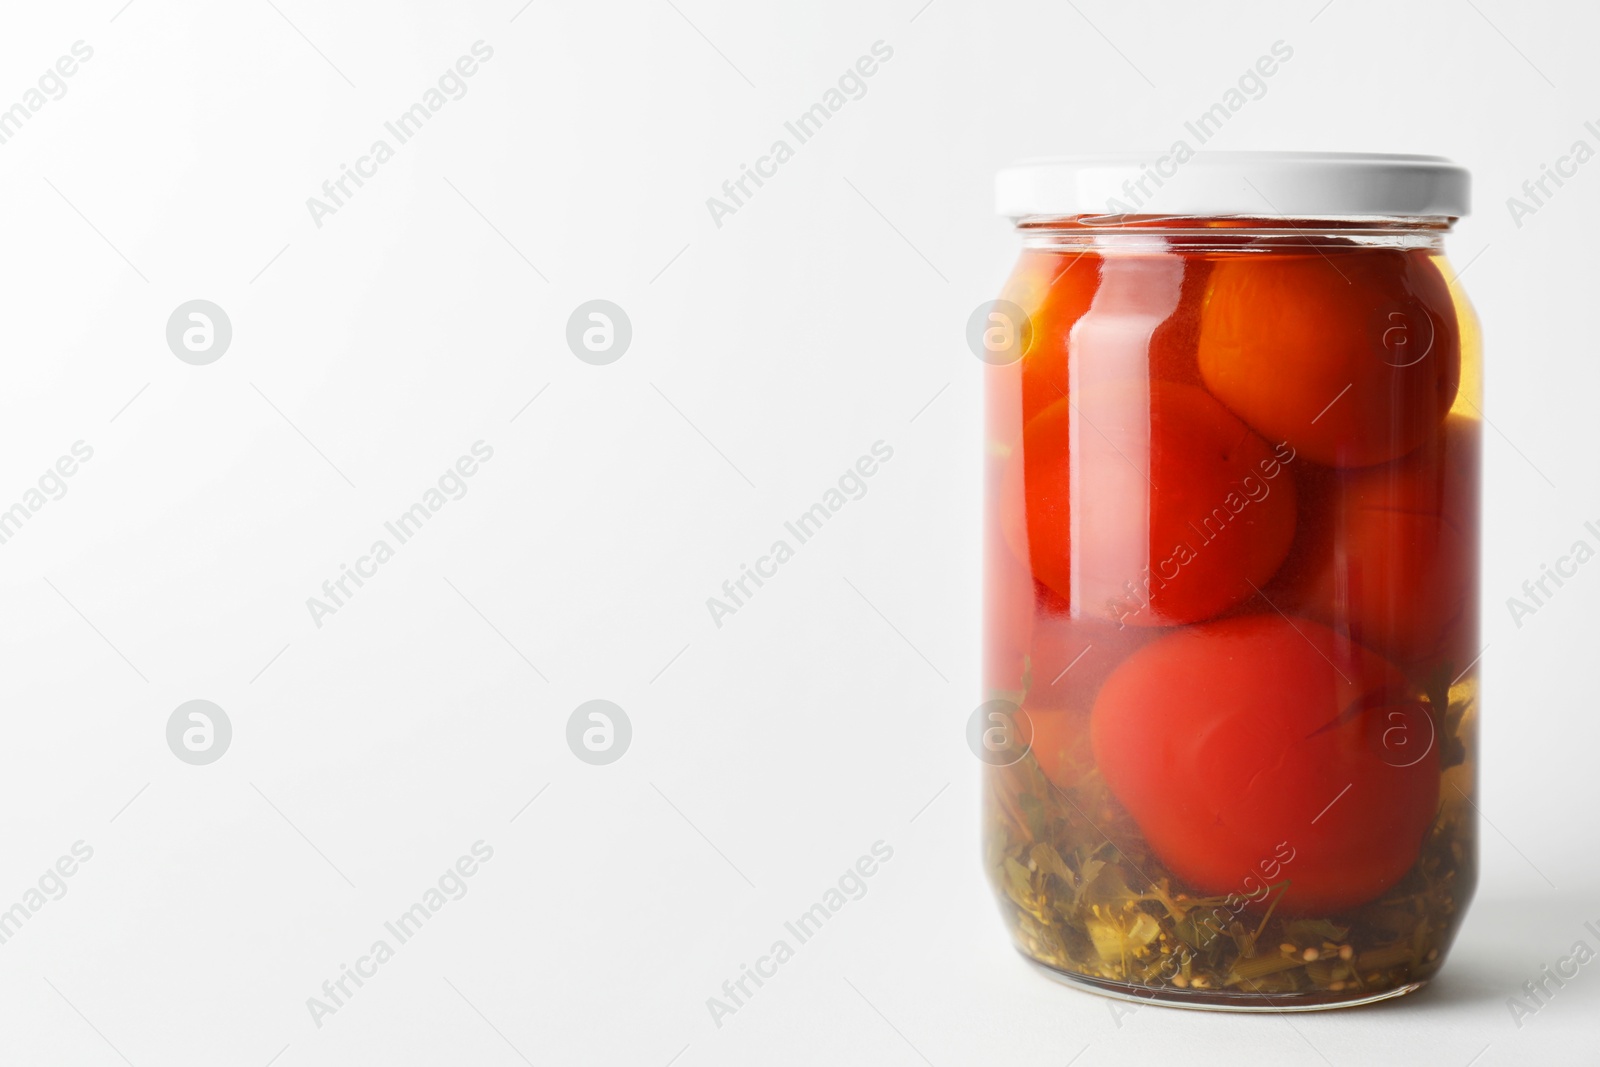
(377,744)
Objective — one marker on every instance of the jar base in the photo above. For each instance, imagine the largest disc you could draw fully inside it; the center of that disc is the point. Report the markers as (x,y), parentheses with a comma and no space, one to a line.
(1222,1000)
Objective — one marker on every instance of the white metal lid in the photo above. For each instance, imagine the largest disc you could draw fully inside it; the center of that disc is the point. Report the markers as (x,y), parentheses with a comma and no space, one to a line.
(1256,184)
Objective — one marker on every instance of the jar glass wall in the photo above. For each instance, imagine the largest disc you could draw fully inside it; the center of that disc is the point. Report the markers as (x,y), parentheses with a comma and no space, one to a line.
(1231,606)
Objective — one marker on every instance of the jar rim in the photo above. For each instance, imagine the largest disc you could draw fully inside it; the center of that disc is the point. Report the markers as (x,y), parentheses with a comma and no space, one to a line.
(1183,183)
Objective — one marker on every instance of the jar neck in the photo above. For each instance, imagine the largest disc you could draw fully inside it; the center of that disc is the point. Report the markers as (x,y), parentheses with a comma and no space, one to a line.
(1230,233)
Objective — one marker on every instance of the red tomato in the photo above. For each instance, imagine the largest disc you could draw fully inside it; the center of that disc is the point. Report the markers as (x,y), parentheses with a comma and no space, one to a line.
(1147,503)
(1351,355)
(1390,554)
(1143,323)
(1235,742)
(1175,344)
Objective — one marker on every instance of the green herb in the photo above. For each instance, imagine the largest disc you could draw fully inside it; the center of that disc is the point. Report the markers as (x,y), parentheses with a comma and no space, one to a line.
(1086,895)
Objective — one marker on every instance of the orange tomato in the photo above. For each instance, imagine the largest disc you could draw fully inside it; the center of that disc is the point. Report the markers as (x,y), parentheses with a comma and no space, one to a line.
(1060,743)
(1055,291)
(1352,355)
(1101,318)
(1232,743)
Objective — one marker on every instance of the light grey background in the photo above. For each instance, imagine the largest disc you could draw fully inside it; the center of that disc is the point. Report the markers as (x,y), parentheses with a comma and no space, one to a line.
(767,355)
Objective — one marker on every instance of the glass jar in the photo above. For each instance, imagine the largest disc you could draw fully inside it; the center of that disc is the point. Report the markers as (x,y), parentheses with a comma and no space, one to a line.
(1231,597)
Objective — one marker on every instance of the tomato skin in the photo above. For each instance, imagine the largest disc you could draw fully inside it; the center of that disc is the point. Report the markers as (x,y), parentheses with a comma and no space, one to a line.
(1390,554)
(1306,348)
(1227,740)
(1060,744)
(1175,344)
(1180,518)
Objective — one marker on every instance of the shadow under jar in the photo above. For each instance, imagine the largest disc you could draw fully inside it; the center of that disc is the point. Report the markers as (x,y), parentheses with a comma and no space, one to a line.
(1231,602)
